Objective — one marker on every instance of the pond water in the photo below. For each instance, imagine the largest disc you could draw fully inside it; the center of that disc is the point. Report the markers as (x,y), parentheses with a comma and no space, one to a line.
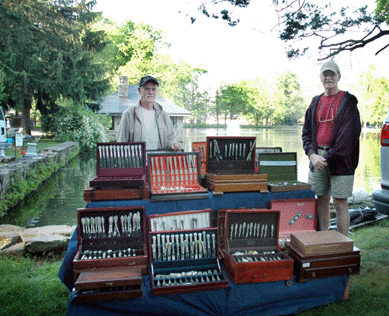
(56,201)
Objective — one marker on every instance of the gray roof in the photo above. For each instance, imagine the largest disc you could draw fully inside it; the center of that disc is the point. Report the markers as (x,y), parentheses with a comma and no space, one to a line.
(112,104)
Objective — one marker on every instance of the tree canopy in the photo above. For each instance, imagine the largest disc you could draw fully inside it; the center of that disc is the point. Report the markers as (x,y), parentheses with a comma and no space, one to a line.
(46,54)
(302,19)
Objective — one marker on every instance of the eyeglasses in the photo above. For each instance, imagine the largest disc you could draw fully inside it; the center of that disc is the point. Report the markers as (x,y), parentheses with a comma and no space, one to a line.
(328,120)
(332,110)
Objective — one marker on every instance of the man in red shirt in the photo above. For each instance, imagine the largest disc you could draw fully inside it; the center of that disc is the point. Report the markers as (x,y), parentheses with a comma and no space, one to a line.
(331,141)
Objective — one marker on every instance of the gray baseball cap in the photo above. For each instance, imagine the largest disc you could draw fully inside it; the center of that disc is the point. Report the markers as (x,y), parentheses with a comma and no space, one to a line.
(146,79)
(330,65)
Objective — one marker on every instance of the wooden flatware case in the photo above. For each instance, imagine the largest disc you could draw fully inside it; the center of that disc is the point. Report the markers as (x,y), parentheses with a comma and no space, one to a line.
(315,266)
(281,170)
(175,176)
(120,172)
(120,165)
(184,259)
(250,249)
(112,253)
(230,165)
(321,242)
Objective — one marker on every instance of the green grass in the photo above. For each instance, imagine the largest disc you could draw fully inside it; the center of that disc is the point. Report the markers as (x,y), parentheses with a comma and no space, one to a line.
(42,144)
(30,287)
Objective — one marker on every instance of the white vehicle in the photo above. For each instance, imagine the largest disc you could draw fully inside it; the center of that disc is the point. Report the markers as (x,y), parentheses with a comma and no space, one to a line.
(381,197)
(3,130)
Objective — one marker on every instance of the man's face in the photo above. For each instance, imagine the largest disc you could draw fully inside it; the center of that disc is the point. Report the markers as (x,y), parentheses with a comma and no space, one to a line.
(148,92)
(329,79)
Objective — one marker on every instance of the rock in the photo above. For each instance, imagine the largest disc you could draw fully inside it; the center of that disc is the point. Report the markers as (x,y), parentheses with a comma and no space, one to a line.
(11,228)
(46,243)
(17,250)
(63,230)
(10,235)
(47,238)
(18,240)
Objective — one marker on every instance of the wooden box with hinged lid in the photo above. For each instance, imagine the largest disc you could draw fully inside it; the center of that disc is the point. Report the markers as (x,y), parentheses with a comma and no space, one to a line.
(281,170)
(316,266)
(220,222)
(251,252)
(102,284)
(296,215)
(230,165)
(120,165)
(175,176)
(184,260)
(109,238)
(120,173)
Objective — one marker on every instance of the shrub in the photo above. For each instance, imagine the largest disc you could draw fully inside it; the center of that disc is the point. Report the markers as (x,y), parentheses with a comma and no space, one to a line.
(82,126)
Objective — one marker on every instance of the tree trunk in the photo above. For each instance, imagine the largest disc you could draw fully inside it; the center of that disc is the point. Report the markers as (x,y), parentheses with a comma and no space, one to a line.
(26,107)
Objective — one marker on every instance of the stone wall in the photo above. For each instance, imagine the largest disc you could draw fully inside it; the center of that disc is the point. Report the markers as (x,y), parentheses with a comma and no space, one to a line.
(34,169)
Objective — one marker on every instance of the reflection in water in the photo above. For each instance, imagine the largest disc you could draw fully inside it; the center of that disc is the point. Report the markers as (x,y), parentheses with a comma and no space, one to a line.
(56,201)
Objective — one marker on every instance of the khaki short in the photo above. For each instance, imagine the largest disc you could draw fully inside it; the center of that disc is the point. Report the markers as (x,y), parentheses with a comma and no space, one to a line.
(340,187)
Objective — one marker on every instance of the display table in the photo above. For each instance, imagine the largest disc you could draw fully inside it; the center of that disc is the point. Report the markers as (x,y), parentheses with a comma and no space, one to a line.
(271,298)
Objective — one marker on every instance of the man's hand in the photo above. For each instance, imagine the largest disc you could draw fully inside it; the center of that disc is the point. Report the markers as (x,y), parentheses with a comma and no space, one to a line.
(318,162)
(176,146)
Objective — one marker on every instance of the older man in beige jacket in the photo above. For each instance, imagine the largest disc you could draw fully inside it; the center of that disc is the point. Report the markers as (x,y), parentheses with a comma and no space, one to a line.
(147,121)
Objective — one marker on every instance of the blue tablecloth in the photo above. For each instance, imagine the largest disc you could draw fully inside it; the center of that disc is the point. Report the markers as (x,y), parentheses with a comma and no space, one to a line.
(270,298)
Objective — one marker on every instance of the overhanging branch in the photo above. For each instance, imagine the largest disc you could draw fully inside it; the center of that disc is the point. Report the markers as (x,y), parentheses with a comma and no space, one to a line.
(351,44)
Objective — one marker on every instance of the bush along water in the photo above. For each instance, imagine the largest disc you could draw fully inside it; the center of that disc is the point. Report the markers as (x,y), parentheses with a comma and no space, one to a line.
(80,125)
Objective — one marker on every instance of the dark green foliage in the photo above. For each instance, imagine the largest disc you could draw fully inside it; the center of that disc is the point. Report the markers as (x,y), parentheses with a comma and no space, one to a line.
(46,53)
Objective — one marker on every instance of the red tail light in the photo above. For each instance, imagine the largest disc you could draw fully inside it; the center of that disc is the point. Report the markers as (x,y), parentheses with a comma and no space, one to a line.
(385,135)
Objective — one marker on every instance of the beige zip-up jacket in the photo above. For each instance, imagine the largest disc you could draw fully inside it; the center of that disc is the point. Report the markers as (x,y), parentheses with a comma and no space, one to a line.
(130,128)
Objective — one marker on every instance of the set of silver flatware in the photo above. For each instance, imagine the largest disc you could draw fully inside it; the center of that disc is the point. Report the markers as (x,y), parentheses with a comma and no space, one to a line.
(255,256)
(120,156)
(170,171)
(189,277)
(106,254)
(181,222)
(251,230)
(166,247)
(95,226)
(231,150)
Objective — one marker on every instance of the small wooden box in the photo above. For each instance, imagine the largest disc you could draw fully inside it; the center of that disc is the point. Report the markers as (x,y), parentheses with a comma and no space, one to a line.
(175,176)
(113,194)
(307,267)
(185,261)
(236,182)
(296,215)
(120,165)
(201,147)
(321,242)
(281,170)
(251,252)
(110,237)
(115,283)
